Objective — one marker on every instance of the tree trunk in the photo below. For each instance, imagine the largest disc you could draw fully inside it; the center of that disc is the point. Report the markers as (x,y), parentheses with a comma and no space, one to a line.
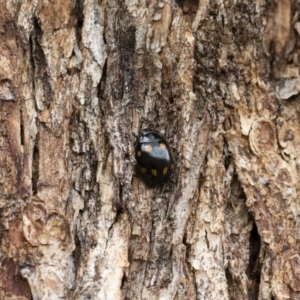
(219,79)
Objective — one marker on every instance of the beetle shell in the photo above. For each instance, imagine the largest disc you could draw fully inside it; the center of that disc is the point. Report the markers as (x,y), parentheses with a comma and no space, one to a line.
(153,156)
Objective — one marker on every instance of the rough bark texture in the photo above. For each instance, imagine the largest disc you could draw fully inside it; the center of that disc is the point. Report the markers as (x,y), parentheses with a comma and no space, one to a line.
(219,79)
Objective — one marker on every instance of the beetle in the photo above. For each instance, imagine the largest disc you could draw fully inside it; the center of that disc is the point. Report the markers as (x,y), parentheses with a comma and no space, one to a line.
(153,156)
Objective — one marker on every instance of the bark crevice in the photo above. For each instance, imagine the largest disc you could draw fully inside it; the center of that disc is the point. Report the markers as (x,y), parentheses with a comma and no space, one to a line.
(254,268)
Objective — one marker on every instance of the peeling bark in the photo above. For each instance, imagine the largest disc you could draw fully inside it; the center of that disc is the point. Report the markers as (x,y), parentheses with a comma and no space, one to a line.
(220,80)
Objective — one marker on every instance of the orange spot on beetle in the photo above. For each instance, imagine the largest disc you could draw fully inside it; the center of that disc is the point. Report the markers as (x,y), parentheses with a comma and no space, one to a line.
(148,148)
(165,170)
(162,146)
(154,172)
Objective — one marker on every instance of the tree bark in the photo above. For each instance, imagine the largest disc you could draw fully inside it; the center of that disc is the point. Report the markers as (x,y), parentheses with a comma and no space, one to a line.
(219,79)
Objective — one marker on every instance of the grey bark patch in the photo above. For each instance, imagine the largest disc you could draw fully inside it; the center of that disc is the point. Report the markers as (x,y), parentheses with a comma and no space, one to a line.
(286,88)
(6,91)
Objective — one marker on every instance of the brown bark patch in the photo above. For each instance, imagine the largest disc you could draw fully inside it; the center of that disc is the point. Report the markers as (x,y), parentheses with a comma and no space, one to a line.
(15,284)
